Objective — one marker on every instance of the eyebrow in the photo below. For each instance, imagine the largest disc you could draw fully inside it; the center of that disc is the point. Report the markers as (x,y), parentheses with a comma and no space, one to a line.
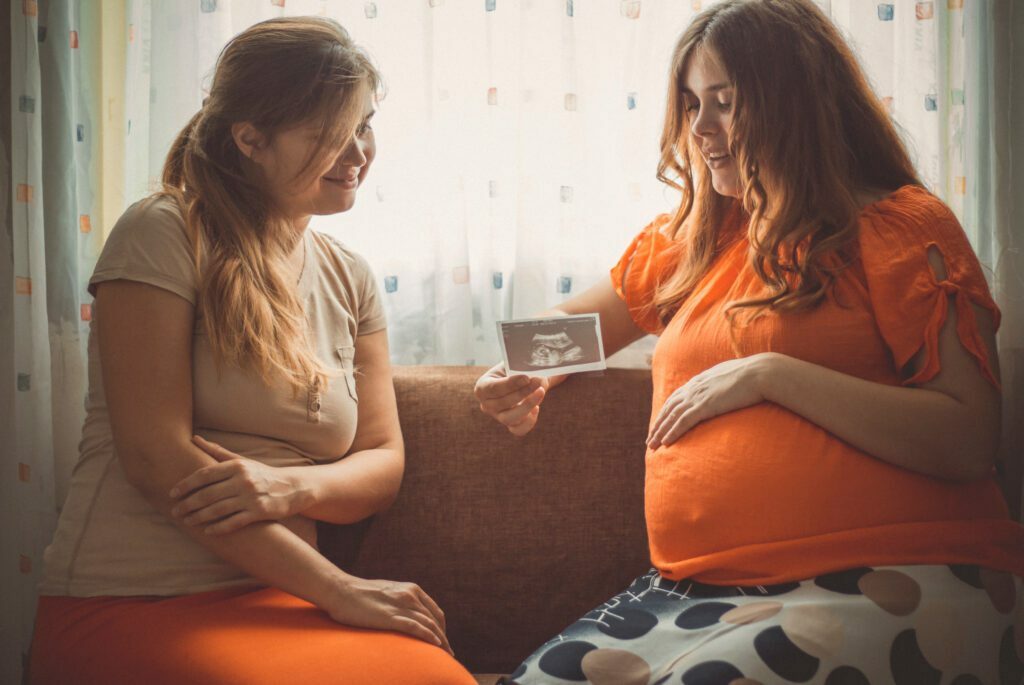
(370,115)
(711,89)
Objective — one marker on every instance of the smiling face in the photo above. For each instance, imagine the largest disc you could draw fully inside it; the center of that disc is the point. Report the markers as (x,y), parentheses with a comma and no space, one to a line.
(708,96)
(328,189)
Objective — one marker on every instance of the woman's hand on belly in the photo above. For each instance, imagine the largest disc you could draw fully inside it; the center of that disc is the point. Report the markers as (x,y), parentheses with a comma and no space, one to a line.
(235,492)
(725,387)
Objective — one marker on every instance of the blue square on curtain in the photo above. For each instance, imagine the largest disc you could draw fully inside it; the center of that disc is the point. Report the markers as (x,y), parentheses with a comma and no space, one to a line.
(370,9)
(931,102)
(497,280)
(390,284)
(24,382)
(27,104)
(208,5)
(489,5)
(41,34)
(80,133)
(568,8)
(564,284)
(886,10)
(630,100)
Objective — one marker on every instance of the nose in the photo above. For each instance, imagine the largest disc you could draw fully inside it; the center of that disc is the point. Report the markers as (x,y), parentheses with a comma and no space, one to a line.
(354,154)
(703,124)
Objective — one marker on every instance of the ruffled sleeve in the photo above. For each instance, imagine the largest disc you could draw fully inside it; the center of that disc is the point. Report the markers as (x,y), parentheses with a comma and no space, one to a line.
(648,259)
(910,303)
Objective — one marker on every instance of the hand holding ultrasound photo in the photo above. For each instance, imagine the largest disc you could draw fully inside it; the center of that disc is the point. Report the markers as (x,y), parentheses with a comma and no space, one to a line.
(553,346)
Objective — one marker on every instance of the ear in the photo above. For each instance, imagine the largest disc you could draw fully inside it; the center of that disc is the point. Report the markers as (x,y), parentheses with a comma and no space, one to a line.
(248,138)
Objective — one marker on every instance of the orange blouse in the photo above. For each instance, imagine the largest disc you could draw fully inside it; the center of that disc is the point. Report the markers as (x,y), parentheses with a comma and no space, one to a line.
(761,495)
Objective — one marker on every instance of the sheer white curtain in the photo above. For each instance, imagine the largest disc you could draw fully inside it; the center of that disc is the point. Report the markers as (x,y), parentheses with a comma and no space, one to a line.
(518,143)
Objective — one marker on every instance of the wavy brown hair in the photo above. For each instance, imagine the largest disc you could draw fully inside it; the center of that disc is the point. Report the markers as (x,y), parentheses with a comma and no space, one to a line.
(807,135)
(277,74)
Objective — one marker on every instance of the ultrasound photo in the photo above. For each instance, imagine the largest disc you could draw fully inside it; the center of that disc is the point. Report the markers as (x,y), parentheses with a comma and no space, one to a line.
(555,346)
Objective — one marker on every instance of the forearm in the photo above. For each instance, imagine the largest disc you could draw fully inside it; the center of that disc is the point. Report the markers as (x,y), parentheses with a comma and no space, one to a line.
(267,551)
(350,489)
(918,429)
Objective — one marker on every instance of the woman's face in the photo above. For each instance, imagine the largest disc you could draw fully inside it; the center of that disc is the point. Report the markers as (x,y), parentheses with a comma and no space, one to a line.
(327,190)
(708,97)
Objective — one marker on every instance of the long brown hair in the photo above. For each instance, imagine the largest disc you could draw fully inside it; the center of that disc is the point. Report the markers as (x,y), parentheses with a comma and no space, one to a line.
(276,74)
(807,134)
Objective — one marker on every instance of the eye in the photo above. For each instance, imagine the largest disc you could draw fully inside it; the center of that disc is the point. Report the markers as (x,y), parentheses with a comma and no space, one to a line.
(725,106)
(691,105)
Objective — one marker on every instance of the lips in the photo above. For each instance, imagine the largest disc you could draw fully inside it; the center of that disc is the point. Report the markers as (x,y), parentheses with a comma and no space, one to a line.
(348,177)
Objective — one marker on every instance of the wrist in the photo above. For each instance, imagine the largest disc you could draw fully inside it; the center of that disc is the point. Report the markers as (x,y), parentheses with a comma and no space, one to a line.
(769,370)
(303,489)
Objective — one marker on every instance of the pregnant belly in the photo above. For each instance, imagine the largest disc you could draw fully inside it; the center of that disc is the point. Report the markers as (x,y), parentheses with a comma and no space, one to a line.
(764,474)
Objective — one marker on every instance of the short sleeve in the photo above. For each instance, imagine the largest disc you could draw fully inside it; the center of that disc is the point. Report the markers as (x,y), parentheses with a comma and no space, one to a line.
(371,316)
(149,245)
(910,303)
(650,257)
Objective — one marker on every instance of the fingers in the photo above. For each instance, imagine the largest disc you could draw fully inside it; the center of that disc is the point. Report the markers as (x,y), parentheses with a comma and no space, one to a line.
(435,611)
(515,415)
(496,405)
(410,626)
(216,510)
(667,418)
(438,632)
(213,449)
(684,423)
(231,523)
(526,425)
(203,497)
(200,479)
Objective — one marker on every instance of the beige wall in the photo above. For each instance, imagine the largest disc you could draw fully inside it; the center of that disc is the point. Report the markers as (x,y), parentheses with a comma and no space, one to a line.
(113,35)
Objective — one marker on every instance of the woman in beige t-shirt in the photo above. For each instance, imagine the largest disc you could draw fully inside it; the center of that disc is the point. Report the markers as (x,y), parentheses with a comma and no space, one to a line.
(239,391)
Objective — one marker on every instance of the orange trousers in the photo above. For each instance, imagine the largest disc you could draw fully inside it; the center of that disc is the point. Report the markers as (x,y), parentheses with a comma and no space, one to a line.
(241,637)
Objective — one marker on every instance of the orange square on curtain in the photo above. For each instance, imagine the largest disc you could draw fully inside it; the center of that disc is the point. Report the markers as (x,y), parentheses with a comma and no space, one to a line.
(24,193)
(492,96)
(696,5)
(277,3)
(84,223)
(22,285)
(460,275)
(960,185)
(86,312)
(24,564)
(74,39)
(956,4)
(24,472)
(131,33)
(925,10)
(30,8)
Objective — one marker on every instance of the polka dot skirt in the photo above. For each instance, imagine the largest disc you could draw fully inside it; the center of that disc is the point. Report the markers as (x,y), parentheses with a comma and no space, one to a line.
(904,625)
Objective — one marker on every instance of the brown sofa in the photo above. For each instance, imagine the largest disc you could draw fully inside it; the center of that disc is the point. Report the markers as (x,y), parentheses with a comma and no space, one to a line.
(514,538)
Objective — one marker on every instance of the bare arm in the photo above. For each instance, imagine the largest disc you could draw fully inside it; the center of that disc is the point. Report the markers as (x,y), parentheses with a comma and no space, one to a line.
(145,340)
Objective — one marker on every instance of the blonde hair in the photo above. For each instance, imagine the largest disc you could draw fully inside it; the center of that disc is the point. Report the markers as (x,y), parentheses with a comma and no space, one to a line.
(807,133)
(276,74)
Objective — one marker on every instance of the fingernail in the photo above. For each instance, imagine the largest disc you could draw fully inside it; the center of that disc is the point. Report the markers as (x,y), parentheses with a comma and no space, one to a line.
(174,492)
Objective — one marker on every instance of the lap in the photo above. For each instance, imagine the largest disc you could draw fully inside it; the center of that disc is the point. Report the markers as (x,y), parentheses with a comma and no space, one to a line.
(907,624)
(239,636)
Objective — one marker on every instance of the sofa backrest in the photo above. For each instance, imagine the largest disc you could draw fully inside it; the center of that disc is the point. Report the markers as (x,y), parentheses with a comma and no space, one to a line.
(514,538)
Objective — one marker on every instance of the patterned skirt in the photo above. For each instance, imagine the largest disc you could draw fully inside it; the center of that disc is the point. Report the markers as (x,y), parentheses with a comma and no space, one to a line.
(904,625)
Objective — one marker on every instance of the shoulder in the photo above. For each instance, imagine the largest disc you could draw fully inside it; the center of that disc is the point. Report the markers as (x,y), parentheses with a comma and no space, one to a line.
(910,217)
(157,219)
(340,257)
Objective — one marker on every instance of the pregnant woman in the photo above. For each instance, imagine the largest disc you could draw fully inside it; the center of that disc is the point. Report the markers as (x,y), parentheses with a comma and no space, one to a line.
(820,499)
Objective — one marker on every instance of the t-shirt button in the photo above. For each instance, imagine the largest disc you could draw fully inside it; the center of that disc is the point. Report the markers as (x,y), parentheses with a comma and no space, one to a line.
(314,406)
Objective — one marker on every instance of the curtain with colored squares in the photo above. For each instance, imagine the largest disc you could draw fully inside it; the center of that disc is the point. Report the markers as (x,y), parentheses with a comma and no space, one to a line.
(52,246)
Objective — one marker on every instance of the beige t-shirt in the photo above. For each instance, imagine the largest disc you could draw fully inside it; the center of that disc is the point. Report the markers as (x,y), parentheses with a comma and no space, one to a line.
(110,540)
